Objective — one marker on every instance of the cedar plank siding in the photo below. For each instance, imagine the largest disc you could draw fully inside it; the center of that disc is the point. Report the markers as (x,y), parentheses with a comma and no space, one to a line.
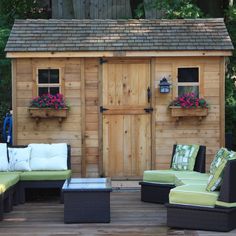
(73,130)
(49,130)
(91,118)
(188,130)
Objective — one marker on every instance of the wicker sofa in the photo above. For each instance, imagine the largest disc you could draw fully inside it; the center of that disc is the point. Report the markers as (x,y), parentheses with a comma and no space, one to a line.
(189,201)
(220,216)
(13,185)
(158,192)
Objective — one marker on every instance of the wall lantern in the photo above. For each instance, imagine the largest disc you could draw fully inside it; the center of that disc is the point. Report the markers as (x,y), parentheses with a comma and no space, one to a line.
(164,86)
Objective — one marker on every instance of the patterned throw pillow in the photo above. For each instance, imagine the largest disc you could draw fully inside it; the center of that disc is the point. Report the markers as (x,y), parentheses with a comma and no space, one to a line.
(223,152)
(19,159)
(215,178)
(184,157)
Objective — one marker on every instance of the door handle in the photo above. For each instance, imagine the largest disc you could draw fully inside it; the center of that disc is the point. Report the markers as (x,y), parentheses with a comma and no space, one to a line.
(149,94)
(148,110)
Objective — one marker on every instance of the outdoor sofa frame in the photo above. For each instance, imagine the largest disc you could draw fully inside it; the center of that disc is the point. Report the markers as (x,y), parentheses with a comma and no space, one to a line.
(207,218)
(159,193)
(16,193)
(41,184)
(8,199)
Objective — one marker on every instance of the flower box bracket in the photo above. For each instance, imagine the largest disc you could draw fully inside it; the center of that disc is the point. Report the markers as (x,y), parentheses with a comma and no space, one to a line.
(179,112)
(48,113)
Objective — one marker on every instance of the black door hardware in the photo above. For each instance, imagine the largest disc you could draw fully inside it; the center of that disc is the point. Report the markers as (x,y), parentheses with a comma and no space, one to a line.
(102,109)
(148,110)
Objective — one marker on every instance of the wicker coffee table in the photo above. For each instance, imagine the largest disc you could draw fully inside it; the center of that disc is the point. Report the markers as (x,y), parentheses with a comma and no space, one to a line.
(87,200)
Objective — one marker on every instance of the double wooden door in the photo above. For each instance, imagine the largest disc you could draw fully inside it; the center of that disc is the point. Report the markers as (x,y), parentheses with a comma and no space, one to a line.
(126,118)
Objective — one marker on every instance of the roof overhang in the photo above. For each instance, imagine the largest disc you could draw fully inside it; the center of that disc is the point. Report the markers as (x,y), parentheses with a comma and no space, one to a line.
(92,54)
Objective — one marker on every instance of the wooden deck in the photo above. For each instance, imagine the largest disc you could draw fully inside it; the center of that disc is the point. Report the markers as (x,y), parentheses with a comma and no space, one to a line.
(129,217)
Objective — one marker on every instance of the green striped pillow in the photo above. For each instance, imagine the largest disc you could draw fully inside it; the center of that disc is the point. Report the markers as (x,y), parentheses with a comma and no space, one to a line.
(184,157)
(223,152)
(215,178)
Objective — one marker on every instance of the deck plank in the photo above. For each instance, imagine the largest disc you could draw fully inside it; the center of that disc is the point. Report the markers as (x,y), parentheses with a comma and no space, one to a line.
(129,217)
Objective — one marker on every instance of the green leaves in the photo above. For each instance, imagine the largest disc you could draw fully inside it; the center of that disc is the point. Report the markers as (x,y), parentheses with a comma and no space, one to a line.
(9,11)
(230,82)
(178,9)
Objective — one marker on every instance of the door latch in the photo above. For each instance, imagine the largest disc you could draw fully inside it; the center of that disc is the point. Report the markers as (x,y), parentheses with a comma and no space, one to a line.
(102,109)
(148,110)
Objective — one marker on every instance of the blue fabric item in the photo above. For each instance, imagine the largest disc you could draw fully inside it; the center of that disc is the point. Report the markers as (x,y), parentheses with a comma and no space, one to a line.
(7,129)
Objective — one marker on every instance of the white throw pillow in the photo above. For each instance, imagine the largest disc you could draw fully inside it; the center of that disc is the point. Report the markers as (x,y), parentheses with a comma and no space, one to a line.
(48,156)
(19,159)
(3,157)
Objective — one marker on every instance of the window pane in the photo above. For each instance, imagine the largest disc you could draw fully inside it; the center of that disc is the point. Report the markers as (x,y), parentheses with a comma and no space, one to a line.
(43,76)
(54,90)
(54,76)
(188,89)
(188,74)
(42,90)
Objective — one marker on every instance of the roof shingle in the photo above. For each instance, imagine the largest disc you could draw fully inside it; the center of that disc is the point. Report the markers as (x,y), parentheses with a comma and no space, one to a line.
(116,35)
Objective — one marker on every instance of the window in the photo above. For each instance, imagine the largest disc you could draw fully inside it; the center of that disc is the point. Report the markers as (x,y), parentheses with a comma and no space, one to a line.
(48,81)
(188,80)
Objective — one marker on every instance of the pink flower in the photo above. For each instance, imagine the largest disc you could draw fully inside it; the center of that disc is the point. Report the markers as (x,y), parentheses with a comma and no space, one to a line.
(48,100)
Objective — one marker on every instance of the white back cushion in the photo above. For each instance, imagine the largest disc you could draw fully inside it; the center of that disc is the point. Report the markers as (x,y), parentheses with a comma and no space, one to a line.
(3,157)
(48,156)
(19,159)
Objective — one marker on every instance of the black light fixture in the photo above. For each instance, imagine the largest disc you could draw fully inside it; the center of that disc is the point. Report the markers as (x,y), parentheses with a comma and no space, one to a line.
(164,86)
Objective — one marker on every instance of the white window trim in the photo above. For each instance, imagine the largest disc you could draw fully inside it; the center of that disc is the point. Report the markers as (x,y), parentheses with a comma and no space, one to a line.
(48,85)
(188,84)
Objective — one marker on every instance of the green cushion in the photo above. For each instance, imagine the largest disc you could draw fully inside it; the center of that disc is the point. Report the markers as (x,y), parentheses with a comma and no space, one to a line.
(193,195)
(160,176)
(184,157)
(225,204)
(168,176)
(215,178)
(193,180)
(8,179)
(45,175)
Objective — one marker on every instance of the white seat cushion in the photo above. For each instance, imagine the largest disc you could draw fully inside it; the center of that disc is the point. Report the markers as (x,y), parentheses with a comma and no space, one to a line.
(3,157)
(48,156)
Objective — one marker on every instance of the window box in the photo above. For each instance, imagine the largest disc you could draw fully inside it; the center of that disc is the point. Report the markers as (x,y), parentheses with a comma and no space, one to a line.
(46,113)
(178,112)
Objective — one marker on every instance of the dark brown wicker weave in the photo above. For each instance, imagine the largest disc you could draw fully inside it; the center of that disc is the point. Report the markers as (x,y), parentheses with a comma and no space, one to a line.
(16,193)
(42,184)
(206,218)
(8,199)
(159,193)
(46,184)
(87,203)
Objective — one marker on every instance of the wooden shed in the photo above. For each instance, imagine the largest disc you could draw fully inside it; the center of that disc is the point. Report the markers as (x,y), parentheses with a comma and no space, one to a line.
(109,72)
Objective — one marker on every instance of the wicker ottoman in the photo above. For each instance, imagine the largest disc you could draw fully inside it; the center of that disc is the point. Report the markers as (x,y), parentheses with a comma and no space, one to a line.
(87,200)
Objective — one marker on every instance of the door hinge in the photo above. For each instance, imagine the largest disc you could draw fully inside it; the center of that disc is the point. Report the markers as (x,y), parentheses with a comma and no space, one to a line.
(102,60)
(148,110)
(102,109)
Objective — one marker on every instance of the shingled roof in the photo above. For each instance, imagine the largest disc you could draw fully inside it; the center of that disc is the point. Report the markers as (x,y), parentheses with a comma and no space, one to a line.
(118,35)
